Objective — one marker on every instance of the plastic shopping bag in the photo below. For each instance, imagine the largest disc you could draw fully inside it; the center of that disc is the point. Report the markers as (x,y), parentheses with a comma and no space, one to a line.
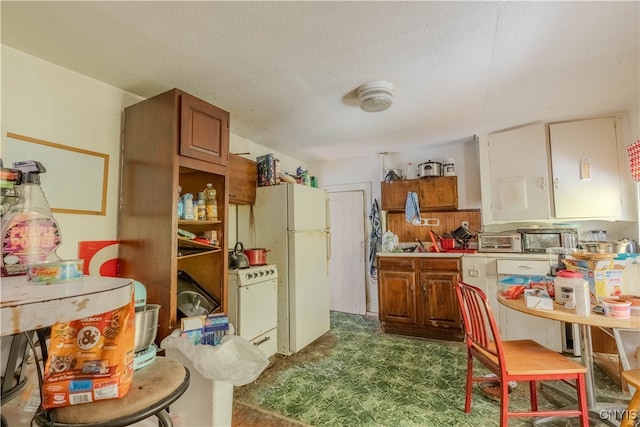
(235,360)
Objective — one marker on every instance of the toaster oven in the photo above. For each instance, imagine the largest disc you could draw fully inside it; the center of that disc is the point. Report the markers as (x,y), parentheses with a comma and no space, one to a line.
(500,242)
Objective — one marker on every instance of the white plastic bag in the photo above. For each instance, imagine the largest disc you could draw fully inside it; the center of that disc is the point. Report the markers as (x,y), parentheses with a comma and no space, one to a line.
(235,360)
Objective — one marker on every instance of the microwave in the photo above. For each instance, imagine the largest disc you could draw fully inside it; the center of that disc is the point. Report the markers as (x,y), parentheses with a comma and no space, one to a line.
(537,240)
(500,242)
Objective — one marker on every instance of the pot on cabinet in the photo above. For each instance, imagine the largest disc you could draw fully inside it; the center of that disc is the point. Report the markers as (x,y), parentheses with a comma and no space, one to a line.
(429,169)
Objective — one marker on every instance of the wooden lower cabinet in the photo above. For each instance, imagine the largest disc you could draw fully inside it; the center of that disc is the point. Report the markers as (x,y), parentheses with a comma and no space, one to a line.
(417,297)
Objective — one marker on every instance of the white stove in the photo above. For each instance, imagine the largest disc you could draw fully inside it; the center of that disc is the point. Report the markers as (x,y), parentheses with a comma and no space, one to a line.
(253,305)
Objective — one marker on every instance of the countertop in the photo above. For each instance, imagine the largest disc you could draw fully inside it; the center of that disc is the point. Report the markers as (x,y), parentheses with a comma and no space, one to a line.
(421,254)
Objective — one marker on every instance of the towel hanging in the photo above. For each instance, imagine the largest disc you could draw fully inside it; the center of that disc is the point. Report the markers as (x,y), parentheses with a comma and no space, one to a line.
(412,210)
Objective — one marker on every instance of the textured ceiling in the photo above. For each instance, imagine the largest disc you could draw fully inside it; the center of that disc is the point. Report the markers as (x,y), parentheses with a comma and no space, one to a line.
(287,71)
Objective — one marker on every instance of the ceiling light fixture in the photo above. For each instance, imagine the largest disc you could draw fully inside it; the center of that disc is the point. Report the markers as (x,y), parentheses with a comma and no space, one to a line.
(375,96)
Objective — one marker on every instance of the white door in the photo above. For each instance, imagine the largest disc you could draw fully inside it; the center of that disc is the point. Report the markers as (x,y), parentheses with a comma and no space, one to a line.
(347,264)
(519,171)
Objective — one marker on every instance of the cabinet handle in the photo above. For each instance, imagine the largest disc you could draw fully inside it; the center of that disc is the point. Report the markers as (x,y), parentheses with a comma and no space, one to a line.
(543,183)
(411,287)
(555,183)
(262,341)
(424,289)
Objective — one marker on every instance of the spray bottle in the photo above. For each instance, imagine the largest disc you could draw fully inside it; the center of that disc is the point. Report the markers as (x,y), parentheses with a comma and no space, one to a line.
(30,233)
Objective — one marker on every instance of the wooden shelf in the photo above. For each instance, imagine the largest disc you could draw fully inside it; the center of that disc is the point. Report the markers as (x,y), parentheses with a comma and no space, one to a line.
(196,222)
(191,252)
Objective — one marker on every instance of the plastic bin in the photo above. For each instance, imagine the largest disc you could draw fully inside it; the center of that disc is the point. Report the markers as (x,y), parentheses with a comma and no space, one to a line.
(206,402)
(214,371)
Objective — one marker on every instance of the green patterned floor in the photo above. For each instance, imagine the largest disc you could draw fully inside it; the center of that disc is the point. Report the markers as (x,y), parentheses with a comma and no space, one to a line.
(365,378)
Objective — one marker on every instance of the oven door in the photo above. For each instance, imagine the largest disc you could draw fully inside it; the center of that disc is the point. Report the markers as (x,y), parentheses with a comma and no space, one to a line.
(258,308)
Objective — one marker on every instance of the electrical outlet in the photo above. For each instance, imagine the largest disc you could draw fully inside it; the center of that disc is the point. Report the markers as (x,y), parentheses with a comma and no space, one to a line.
(465,223)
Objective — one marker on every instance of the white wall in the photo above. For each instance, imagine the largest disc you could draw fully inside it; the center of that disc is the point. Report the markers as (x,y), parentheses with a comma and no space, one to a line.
(371,169)
(47,102)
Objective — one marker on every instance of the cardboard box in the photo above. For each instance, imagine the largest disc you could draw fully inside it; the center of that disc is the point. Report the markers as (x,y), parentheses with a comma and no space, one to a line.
(605,278)
(266,170)
(538,298)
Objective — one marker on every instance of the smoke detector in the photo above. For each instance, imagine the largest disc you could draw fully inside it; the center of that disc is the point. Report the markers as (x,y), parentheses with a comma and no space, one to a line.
(375,96)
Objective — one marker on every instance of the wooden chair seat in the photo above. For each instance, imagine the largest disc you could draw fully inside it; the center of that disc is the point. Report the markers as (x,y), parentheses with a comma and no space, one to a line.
(632,376)
(153,389)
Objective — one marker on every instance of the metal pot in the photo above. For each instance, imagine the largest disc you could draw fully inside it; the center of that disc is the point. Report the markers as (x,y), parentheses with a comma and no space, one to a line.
(391,175)
(430,169)
(256,256)
(237,258)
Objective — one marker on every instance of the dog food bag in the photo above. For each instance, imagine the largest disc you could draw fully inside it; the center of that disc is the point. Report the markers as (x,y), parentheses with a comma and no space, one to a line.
(90,359)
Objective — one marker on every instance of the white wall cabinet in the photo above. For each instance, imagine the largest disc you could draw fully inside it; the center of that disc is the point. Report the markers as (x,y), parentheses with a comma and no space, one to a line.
(520,174)
(561,170)
(586,178)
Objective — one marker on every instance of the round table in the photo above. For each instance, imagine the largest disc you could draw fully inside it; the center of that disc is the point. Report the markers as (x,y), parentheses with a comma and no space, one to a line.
(25,306)
(585,322)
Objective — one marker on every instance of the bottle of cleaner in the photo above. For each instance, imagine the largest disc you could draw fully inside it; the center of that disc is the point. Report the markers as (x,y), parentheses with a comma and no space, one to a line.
(30,233)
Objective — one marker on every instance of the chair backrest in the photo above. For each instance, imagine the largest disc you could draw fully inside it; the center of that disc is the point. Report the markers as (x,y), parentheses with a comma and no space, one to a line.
(480,327)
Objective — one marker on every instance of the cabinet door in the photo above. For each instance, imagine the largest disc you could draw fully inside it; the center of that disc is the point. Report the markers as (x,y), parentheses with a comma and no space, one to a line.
(242,180)
(439,304)
(438,193)
(586,181)
(394,194)
(397,296)
(519,174)
(204,130)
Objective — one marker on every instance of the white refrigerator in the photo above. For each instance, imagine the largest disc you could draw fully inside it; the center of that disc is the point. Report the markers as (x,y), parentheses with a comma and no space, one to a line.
(292,223)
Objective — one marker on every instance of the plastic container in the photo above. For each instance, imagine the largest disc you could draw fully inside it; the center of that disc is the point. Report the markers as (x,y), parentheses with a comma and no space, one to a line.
(449,168)
(580,301)
(210,203)
(616,307)
(510,281)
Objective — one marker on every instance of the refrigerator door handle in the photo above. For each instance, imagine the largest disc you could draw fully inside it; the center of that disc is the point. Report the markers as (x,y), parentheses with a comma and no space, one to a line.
(328,233)
(328,213)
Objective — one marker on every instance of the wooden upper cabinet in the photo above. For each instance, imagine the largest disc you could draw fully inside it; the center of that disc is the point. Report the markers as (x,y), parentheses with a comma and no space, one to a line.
(204,130)
(438,192)
(434,193)
(394,194)
(242,175)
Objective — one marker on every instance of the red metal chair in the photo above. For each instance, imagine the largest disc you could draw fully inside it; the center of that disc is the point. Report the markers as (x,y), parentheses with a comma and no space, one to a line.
(522,360)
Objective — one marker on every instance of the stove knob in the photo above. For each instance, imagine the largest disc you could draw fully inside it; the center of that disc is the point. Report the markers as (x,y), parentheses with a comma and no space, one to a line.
(251,275)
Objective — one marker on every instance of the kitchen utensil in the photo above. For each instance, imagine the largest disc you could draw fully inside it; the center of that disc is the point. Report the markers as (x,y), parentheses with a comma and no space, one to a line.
(146,326)
(434,240)
(237,258)
(422,245)
(256,256)
(430,168)
(391,175)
